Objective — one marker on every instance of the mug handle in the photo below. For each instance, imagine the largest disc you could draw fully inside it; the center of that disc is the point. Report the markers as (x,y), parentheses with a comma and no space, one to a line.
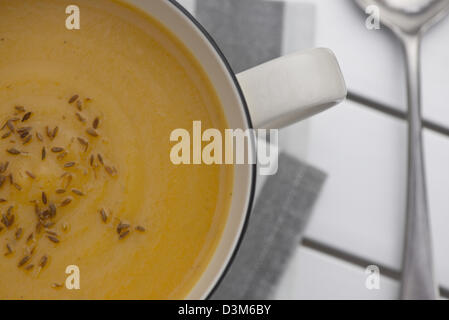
(292,88)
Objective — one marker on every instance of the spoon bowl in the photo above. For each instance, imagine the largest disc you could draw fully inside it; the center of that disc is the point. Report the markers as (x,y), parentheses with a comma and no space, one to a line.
(409,17)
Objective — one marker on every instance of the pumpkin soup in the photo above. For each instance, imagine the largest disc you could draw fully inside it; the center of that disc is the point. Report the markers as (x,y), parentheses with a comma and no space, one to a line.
(85,172)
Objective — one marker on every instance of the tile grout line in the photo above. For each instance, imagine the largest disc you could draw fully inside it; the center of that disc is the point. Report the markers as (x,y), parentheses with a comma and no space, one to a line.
(348,257)
(358,261)
(366,102)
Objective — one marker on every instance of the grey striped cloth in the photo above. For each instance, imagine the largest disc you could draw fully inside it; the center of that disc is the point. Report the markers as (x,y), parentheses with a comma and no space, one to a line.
(250,32)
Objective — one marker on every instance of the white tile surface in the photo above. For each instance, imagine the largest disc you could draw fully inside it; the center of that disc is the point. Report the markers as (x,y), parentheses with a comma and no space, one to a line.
(361,208)
(437,152)
(313,275)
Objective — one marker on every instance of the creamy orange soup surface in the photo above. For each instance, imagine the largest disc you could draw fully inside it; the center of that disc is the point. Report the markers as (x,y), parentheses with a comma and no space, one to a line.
(85,174)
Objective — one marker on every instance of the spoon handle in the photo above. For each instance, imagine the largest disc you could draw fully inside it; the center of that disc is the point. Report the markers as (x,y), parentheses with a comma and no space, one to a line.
(418,281)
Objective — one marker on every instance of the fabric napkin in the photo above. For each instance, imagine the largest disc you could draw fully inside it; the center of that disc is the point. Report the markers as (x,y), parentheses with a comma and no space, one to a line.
(250,32)
(274,232)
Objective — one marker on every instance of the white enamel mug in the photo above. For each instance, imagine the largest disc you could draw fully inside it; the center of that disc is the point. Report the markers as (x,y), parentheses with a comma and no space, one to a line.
(273,95)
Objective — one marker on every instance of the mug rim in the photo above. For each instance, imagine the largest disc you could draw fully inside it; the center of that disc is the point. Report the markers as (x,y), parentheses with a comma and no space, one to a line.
(232,75)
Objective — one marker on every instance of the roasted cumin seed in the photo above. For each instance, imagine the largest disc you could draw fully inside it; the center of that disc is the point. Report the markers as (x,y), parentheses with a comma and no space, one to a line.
(91,160)
(69,181)
(83,142)
(38,227)
(66,202)
(39,136)
(10,125)
(10,221)
(18,233)
(37,211)
(69,164)
(27,139)
(52,233)
(2,200)
(61,156)
(29,251)
(43,261)
(95,123)
(30,237)
(77,192)
(13,151)
(8,249)
(17,186)
(31,175)
(60,191)
(79,105)
(49,225)
(2,180)
(4,166)
(6,135)
(23,134)
(24,130)
(121,227)
(52,133)
(20,109)
(44,215)
(80,117)
(100,159)
(44,153)
(23,261)
(7,220)
(111,170)
(73,98)
(52,210)
(27,116)
(55,132)
(103,215)
(29,267)
(92,132)
(57,149)
(140,229)
(44,198)
(48,131)
(123,235)
(53,239)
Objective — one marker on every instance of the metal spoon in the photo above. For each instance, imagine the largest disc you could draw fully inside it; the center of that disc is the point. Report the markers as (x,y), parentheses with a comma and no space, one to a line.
(409,19)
